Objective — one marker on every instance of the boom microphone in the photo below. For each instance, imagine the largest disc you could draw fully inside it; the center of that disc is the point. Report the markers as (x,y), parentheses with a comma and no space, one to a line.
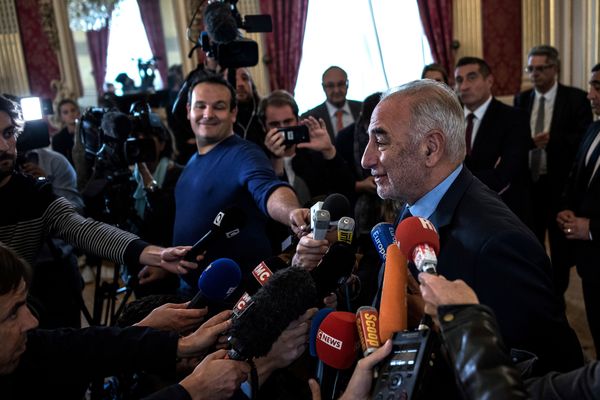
(382,235)
(393,311)
(285,297)
(216,283)
(367,322)
(227,224)
(419,241)
(220,22)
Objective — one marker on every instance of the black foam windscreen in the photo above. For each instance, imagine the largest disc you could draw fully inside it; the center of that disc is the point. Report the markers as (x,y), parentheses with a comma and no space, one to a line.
(337,205)
(334,269)
(116,126)
(284,298)
(220,22)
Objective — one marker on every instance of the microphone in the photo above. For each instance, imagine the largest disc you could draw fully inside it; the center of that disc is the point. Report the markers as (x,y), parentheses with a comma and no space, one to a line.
(337,205)
(261,273)
(367,322)
(220,23)
(216,283)
(336,340)
(419,241)
(382,236)
(116,126)
(314,328)
(393,311)
(285,297)
(226,224)
(320,224)
(345,230)
(334,269)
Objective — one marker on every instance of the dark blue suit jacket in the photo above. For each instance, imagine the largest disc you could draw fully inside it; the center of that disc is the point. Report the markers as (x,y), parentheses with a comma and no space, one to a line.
(320,111)
(487,246)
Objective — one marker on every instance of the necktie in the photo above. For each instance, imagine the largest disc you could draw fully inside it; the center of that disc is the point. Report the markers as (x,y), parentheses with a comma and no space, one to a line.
(536,154)
(469,132)
(588,169)
(339,115)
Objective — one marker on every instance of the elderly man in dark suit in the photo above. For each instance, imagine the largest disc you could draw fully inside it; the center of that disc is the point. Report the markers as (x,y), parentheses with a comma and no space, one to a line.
(580,217)
(415,152)
(559,116)
(497,137)
(336,111)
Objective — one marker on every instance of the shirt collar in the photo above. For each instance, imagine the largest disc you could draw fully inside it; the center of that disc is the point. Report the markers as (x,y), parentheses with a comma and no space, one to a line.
(480,111)
(331,109)
(426,205)
(549,95)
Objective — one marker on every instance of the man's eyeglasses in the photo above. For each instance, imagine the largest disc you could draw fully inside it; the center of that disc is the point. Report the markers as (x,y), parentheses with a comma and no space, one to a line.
(333,85)
(538,68)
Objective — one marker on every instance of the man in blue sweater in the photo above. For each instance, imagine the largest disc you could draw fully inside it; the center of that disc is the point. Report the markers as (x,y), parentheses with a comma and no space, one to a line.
(228,171)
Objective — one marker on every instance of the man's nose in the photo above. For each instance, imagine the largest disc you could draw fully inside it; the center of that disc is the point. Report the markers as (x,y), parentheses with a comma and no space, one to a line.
(368,159)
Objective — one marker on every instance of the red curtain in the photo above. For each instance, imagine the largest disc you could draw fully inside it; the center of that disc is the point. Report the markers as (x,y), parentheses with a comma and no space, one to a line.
(284,44)
(436,17)
(150,13)
(41,60)
(98,47)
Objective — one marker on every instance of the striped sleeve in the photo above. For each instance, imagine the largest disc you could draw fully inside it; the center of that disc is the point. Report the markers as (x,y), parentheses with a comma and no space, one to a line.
(96,237)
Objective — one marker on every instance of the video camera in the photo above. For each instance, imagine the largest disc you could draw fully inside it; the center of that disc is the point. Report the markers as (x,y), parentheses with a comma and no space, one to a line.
(222,39)
(119,140)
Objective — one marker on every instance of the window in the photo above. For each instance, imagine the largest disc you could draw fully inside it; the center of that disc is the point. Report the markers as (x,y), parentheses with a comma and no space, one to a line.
(380,44)
(126,44)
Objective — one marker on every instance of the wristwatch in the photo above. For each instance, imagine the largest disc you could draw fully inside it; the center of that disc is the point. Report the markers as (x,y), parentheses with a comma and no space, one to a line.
(151,187)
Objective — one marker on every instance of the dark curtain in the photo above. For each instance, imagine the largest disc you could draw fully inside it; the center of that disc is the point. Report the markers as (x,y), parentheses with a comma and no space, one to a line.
(436,17)
(284,44)
(98,47)
(150,13)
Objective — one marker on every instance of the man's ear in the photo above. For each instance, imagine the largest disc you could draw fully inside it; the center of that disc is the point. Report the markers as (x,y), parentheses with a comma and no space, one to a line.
(434,145)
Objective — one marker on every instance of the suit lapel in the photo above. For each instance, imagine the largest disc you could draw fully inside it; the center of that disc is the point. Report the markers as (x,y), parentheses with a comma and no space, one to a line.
(442,215)
(486,126)
(559,105)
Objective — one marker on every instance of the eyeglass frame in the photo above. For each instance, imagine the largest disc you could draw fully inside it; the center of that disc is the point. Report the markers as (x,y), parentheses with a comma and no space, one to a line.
(538,68)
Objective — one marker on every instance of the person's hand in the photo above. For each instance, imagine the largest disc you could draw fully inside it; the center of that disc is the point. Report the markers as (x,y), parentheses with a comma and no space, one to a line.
(289,346)
(367,185)
(360,383)
(216,378)
(315,389)
(174,317)
(33,169)
(438,291)
(331,301)
(541,139)
(309,252)
(151,274)
(170,258)
(319,138)
(563,217)
(300,221)
(207,335)
(577,229)
(275,143)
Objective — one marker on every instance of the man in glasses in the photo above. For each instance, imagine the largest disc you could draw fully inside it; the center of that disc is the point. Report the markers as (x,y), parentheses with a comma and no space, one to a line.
(336,111)
(559,115)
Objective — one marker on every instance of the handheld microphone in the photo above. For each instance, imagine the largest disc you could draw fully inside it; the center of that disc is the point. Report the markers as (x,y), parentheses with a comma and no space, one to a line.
(419,241)
(367,322)
(382,236)
(285,297)
(393,311)
(261,273)
(216,283)
(226,225)
(314,329)
(220,22)
(338,206)
(334,269)
(336,340)
(345,230)
(320,224)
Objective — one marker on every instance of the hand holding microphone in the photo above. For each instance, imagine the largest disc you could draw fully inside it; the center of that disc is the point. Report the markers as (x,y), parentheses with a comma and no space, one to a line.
(437,291)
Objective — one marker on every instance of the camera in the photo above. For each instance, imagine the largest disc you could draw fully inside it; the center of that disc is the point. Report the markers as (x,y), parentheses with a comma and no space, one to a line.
(294,135)
(35,133)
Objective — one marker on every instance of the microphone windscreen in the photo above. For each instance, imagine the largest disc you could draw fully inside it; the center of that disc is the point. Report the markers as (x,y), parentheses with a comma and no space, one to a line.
(336,340)
(285,297)
(262,273)
(314,329)
(367,322)
(220,23)
(220,279)
(393,311)
(335,267)
(382,236)
(414,231)
(337,205)
(116,126)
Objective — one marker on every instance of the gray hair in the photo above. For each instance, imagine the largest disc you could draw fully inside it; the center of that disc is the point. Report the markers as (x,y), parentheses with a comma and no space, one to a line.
(434,106)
